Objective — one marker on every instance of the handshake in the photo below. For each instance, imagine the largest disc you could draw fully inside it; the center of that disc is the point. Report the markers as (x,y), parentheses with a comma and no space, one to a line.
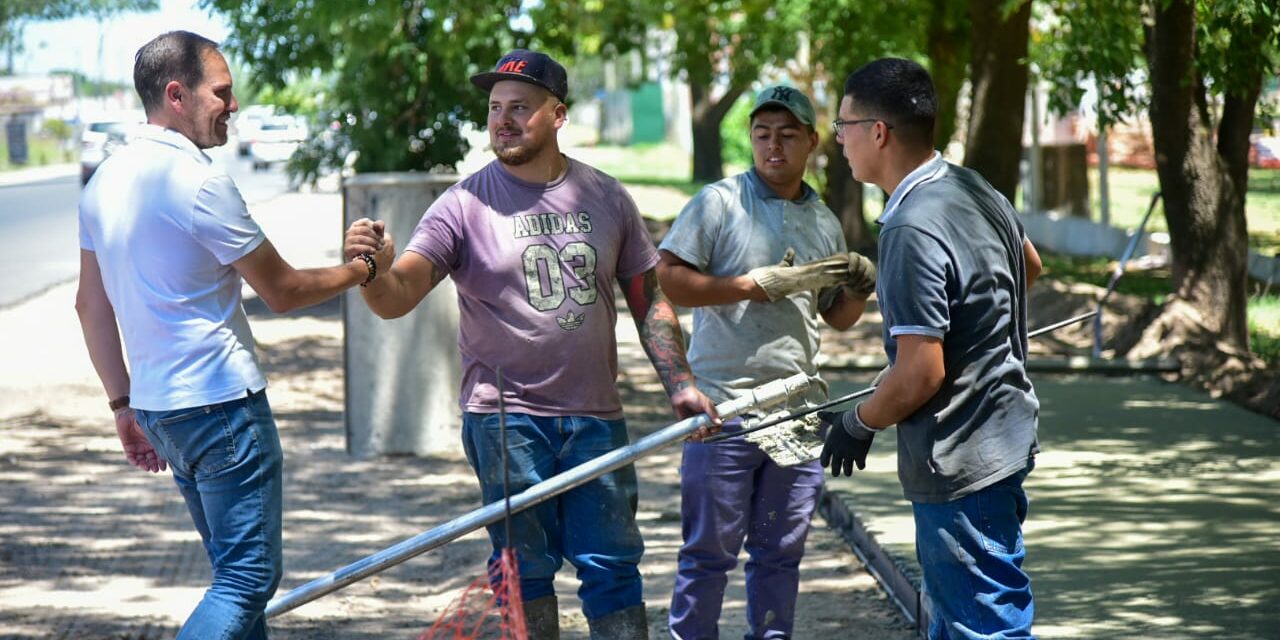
(853,270)
(367,237)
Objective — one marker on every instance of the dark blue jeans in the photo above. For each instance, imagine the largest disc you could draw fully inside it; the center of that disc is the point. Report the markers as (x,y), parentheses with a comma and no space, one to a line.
(593,526)
(227,462)
(971,552)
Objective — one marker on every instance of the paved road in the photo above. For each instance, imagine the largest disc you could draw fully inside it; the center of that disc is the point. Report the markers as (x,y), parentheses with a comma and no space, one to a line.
(38,224)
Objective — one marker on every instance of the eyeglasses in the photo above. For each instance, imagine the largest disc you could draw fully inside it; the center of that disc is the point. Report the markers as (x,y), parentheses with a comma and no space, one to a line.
(838,125)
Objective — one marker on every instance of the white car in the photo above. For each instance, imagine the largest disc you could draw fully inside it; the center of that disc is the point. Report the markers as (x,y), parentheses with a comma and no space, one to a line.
(248,121)
(102,135)
(277,138)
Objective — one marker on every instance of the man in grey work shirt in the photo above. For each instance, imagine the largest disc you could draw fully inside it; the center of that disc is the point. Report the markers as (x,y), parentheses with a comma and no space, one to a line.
(755,321)
(954,270)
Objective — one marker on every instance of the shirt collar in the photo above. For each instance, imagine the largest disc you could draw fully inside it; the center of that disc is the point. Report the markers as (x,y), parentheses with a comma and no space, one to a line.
(935,167)
(764,192)
(161,135)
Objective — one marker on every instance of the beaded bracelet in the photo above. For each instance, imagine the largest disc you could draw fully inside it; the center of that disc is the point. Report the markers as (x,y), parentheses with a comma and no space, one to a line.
(373,268)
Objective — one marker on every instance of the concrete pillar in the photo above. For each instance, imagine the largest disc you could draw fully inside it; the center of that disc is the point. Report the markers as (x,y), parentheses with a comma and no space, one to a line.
(402,375)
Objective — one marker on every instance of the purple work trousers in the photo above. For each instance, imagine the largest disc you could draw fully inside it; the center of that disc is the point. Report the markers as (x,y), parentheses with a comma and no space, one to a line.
(730,490)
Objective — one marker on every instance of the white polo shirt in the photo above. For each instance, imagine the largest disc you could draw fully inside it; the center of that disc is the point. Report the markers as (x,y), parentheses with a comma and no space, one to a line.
(165,226)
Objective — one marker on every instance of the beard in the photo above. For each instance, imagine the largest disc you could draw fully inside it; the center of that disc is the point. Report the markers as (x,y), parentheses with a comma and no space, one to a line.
(517,154)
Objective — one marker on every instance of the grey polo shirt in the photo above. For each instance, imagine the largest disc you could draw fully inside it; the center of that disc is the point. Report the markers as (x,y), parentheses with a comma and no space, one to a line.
(727,229)
(952,267)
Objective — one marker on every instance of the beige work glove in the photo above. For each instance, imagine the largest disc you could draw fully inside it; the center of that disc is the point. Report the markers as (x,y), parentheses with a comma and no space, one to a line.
(784,279)
(862,275)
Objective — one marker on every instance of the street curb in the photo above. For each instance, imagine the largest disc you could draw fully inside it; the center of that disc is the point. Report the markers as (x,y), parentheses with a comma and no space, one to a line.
(37,174)
(1076,364)
(896,575)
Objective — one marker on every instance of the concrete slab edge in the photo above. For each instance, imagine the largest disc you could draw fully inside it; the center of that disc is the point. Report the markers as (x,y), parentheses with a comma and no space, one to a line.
(1081,364)
(888,570)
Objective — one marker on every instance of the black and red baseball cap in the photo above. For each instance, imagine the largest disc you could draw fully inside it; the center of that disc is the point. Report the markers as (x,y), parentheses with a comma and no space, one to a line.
(532,67)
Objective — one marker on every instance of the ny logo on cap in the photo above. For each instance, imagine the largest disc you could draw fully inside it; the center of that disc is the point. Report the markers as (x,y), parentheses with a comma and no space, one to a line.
(782,94)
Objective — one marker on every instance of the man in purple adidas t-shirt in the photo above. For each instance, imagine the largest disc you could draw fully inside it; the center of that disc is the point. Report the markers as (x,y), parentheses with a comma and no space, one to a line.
(534,243)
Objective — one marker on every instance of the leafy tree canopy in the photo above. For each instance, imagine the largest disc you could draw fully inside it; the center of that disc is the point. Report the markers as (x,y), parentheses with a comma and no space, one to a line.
(15,13)
(1103,41)
(394,75)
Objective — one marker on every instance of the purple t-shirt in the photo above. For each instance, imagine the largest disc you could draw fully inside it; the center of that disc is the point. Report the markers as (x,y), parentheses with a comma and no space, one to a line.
(534,265)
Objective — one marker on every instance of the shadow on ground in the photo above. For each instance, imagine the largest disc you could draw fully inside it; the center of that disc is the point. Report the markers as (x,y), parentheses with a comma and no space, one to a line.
(1155,512)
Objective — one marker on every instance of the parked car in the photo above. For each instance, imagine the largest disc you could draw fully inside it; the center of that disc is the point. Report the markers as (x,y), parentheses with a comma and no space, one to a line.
(248,123)
(102,135)
(277,138)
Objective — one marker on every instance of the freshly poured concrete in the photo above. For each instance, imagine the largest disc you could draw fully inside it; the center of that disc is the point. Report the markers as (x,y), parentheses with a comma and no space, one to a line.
(1155,511)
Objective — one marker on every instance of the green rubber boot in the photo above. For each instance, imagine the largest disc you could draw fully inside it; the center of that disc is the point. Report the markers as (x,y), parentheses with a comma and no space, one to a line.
(624,624)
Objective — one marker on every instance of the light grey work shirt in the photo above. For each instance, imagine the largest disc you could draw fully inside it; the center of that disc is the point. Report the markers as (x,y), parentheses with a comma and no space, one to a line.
(727,229)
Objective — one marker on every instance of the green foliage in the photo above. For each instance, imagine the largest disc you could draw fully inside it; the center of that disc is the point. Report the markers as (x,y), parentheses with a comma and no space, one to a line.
(1102,41)
(300,97)
(735,131)
(15,13)
(1264,327)
(393,76)
(58,129)
(849,33)
(1237,41)
(1098,41)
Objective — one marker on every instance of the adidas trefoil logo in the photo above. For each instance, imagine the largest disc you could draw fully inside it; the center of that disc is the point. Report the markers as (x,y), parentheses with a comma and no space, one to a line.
(570,320)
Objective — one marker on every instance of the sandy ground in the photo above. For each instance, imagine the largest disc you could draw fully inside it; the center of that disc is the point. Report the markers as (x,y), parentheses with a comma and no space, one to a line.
(91,548)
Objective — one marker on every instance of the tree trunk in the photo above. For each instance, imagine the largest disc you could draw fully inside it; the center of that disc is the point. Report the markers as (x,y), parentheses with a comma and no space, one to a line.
(1203,188)
(844,196)
(998,72)
(707,114)
(947,46)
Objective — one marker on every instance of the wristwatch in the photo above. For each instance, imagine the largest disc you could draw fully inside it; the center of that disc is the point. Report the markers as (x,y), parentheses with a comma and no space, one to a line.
(119,403)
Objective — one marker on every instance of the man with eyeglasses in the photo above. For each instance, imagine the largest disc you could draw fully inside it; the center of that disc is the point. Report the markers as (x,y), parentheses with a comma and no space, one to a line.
(955,266)
(755,319)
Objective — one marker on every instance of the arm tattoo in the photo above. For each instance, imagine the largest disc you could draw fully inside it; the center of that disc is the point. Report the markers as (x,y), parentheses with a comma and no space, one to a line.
(437,275)
(660,332)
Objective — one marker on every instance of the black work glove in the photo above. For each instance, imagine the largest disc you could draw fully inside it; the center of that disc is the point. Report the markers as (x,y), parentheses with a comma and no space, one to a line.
(848,441)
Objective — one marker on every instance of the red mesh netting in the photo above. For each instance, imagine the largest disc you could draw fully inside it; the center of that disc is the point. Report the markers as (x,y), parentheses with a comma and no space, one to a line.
(488,608)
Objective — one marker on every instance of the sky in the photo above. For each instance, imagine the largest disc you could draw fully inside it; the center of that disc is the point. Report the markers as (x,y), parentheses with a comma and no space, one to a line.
(73,44)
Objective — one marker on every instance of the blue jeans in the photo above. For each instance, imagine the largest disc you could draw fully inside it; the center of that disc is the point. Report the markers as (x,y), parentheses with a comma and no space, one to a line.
(593,525)
(732,491)
(971,552)
(227,462)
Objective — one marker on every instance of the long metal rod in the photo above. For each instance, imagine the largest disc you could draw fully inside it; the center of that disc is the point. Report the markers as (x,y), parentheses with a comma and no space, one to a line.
(1119,272)
(764,396)
(869,390)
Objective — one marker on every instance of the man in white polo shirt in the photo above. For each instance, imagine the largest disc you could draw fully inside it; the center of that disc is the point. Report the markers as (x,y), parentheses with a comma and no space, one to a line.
(165,239)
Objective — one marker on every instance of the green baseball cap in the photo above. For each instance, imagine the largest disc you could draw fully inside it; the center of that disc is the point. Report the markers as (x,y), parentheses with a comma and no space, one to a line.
(790,98)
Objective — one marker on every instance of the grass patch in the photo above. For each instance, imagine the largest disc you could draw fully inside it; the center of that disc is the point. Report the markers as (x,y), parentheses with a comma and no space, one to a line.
(687,187)
(1153,285)
(1264,327)
(1131,190)
(664,161)
(40,151)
